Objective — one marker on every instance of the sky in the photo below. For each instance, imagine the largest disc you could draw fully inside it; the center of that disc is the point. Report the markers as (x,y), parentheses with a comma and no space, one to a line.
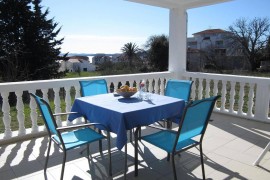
(104,26)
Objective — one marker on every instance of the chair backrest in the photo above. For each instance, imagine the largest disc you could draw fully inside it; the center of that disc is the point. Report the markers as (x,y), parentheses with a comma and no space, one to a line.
(46,113)
(195,118)
(93,87)
(178,89)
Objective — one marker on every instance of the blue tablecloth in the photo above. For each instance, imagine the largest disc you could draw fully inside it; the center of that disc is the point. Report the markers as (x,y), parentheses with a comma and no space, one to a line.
(120,114)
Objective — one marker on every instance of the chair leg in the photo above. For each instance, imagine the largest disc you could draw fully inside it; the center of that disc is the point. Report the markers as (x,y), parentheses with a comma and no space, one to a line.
(266,149)
(109,152)
(126,169)
(63,164)
(168,157)
(130,135)
(88,154)
(174,170)
(100,143)
(202,164)
(48,154)
(136,134)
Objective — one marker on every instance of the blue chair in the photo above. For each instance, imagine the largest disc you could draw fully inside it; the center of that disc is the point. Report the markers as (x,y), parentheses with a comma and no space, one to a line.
(193,124)
(180,89)
(93,87)
(68,137)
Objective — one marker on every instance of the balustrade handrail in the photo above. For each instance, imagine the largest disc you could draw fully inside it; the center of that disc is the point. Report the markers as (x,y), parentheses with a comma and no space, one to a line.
(40,84)
(235,78)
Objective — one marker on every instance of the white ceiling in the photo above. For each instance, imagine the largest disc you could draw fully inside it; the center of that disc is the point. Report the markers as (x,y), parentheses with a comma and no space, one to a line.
(187,4)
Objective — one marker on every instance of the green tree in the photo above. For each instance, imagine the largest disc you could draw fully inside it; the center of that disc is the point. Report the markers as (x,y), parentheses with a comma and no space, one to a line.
(251,37)
(28,40)
(130,50)
(158,52)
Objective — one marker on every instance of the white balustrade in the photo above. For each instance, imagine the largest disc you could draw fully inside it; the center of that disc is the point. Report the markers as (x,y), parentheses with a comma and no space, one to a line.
(207,88)
(6,115)
(33,113)
(205,85)
(193,89)
(57,108)
(250,99)
(241,99)
(71,86)
(20,112)
(250,105)
(232,95)
(223,97)
(200,95)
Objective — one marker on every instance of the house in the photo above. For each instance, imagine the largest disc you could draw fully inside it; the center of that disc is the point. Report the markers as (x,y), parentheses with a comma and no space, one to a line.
(100,58)
(77,63)
(210,48)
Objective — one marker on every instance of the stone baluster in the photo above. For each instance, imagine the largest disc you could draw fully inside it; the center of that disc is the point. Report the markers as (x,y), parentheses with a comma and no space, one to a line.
(215,91)
(45,94)
(6,115)
(200,88)
(20,113)
(232,96)
(45,97)
(193,89)
(162,86)
(241,99)
(57,108)
(68,102)
(207,88)
(157,86)
(114,85)
(250,99)
(33,113)
(223,95)
(77,95)
(150,88)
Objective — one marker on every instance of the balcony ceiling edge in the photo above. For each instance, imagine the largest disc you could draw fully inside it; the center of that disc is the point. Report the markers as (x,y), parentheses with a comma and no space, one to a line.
(187,4)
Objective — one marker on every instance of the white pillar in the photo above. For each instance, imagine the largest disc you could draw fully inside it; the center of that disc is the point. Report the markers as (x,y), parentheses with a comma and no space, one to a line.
(177,41)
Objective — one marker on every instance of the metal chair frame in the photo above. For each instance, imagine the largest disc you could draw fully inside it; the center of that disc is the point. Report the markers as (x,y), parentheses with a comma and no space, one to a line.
(59,131)
(178,135)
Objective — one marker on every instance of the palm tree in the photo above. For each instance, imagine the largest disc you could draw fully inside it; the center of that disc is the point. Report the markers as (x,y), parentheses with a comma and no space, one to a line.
(130,49)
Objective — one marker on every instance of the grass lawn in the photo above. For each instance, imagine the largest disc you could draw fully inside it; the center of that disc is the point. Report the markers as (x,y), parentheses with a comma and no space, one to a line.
(82,74)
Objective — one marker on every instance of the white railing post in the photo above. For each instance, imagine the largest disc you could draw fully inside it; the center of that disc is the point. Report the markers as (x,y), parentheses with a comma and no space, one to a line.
(250,99)
(45,97)
(6,115)
(207,88)
(57,108)
(33,113)
(193,89)
(223,97)
(20,112)
(262,101)
(232,97)
(162,85)
(68,102)
(215,91)
(200,88)
(241,99)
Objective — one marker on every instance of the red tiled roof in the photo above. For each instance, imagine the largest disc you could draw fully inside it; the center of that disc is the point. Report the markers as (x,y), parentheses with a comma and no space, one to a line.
(211,31)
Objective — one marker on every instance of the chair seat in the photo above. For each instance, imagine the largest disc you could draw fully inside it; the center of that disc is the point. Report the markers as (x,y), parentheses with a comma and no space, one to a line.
(166,139)
(79,137)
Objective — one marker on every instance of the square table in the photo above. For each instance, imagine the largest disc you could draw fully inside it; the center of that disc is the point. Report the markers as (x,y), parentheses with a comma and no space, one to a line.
(120,114)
